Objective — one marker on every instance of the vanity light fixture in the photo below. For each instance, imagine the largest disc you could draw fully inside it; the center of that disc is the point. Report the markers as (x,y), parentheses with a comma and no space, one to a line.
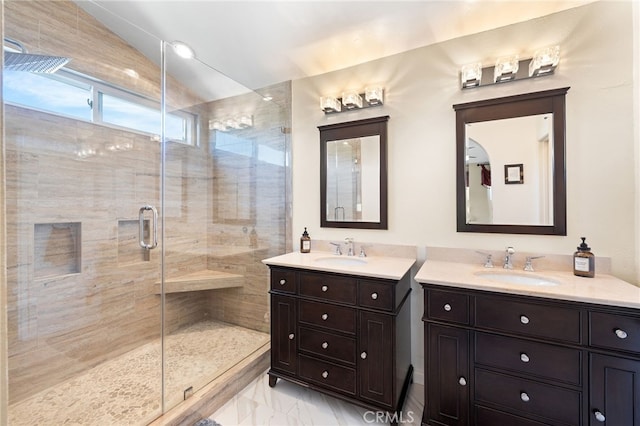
(244,121)
(330,104)
(351,100)
(512,68)
(544,61)
(506,69)
(374,95)
(471,75)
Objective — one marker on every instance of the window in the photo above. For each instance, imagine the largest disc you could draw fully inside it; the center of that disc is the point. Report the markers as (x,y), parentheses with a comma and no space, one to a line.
(73,95)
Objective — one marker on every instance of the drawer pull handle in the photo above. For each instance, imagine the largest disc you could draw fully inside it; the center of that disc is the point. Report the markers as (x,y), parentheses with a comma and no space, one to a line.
(524,319)
(599,416)
(524,357)
(621,333)
(447,307)
(374,296)
(325,288)
(283,282)
(325,374)
(524,397)
(291,336)
(462,381)
(363,355)
(324,317)
(325,345)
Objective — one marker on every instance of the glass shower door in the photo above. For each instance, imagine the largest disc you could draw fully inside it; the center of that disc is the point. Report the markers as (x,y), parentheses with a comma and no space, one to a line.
(224,211)
(83,179)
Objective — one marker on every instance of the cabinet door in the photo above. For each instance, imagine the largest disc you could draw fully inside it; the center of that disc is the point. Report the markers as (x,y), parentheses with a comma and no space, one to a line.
(614,390)
(283,333)
(375,358)
(448,379)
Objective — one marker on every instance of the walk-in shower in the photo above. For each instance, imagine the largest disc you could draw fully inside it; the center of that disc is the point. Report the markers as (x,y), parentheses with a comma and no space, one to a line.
(102,158)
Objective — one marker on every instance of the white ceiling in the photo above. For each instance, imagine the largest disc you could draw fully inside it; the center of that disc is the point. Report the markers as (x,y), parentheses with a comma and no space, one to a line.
(259,43)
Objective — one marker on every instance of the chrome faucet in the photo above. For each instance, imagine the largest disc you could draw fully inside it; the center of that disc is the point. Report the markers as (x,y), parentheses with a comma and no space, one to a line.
(349,242)
(337,251)
(528,265)
(508,262)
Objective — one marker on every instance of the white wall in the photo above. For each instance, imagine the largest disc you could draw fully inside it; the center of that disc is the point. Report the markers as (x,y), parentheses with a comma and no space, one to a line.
(599,61)
(422,85)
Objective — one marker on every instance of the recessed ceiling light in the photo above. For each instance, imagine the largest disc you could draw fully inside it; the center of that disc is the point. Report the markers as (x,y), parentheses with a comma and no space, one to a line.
(183,50)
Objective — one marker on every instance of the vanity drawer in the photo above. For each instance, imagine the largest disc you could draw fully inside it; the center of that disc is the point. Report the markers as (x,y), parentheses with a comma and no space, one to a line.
(328,345)
(378,295)
(522,356)
(532,319)
(338,318)
(283,280)
(528,397)
(328,287)
(342,379)
(614,331)
(447,306)
(489,417)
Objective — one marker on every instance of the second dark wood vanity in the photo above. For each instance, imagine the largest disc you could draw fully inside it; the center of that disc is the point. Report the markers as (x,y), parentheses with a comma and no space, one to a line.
(500,359)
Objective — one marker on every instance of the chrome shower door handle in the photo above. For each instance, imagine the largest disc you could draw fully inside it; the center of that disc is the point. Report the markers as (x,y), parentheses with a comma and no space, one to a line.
(154,234)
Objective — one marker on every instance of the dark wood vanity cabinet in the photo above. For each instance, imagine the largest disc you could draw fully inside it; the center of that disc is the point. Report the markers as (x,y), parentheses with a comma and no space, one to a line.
(499,359)
(347,336)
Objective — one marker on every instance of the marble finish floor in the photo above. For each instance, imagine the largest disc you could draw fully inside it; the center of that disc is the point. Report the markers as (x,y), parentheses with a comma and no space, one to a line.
(127,390)
(288,404)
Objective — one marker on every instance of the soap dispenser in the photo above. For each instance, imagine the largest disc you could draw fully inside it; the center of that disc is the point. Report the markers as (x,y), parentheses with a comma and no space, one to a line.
(584,261)
(305,242)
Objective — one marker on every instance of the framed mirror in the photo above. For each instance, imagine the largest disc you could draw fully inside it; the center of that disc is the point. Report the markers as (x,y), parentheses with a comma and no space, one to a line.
(510,164)
(353,174)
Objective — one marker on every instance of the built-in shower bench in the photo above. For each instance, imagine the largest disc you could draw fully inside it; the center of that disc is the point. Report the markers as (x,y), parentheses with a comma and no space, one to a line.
(201,280)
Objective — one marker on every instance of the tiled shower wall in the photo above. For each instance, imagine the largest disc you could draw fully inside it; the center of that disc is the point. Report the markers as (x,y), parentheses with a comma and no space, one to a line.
(80,291)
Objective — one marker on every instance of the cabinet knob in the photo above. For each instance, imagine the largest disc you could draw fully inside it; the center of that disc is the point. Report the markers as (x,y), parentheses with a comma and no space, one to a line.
(374,296)
(324,317)
(462,381)
(325,374)
(599,416)
(524,319)
(325,288)
(621,333)
(525,397)
(363,355)
(447,307)
(325,345)
(283,282)
(291,336)
(524,357)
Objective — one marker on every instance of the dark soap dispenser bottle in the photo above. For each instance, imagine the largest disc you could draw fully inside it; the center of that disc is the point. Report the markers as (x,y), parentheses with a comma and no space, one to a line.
(305,242)
(584,261)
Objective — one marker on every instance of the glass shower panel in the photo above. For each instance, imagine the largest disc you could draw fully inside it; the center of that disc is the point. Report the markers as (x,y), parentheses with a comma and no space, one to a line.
(224,211)
(84,304)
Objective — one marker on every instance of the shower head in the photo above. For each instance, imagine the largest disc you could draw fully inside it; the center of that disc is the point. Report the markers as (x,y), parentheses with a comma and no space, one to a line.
(23,61)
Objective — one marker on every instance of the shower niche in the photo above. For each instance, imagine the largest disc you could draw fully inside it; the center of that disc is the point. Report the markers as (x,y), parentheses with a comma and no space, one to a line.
(57,249)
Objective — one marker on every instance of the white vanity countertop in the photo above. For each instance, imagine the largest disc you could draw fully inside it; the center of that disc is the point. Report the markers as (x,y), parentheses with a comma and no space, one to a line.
(393,268)
(602,289)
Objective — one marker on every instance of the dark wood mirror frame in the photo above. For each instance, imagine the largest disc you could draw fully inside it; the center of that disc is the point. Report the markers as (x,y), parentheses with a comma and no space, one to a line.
(376,126)
(549,101)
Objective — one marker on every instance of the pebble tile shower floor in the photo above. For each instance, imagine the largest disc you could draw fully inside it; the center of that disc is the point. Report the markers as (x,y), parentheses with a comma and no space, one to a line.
(126,390)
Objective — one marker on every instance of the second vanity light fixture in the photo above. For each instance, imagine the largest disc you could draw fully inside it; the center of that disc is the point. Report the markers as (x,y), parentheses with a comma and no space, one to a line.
(236,123)
(543,62)
(350,100)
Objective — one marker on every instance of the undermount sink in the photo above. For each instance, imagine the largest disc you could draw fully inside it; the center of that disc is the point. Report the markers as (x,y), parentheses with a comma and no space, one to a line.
(517,278)
(340,261)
